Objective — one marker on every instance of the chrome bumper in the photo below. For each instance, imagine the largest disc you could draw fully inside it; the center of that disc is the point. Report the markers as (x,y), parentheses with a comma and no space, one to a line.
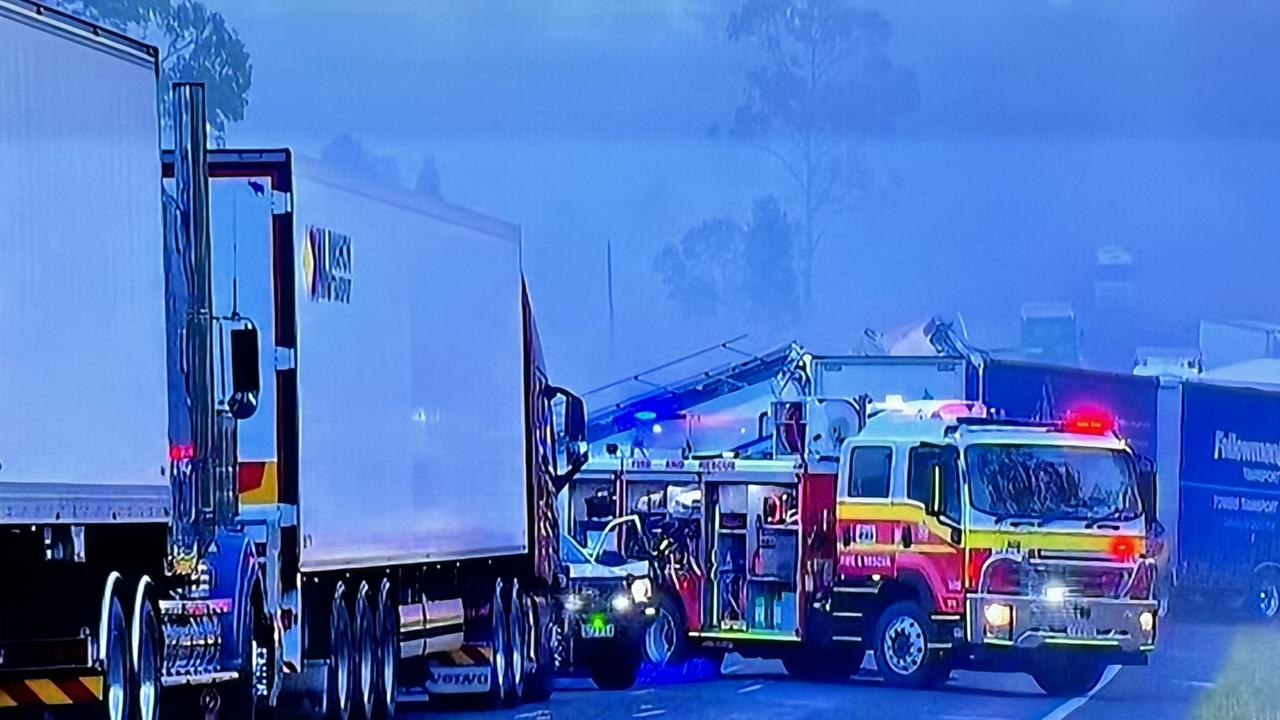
(1104,623)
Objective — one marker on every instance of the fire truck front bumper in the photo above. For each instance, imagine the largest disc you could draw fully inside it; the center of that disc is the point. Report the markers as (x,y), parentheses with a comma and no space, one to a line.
(1105,624)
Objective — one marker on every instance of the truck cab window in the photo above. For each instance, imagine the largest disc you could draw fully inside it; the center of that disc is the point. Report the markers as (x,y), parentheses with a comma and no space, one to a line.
(869,472)
(921,473)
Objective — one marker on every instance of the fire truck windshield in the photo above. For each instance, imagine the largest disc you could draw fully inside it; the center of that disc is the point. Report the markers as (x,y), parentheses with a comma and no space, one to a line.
(1052,482)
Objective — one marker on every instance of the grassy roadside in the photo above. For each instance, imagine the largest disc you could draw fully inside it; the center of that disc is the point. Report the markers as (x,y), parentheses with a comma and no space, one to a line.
(1248,686)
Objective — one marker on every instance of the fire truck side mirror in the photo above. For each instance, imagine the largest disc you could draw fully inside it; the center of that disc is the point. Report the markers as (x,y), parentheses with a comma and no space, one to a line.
(571,450)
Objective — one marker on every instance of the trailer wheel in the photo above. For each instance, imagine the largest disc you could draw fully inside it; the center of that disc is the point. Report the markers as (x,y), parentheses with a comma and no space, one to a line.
(341,681)
(367,656)
(147,645)
(388,678)
(1264,595)
(902,647)
(518,633)
(541,681)
(113,641)
(500,648)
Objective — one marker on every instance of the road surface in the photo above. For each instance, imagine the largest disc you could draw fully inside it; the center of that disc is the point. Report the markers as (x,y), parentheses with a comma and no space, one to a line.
(1185,665)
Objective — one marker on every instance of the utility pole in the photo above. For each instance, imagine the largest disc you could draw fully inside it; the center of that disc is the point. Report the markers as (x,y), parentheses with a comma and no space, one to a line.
(608,244)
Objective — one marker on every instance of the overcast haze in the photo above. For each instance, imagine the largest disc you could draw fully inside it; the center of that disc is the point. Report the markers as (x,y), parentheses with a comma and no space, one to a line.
(1044,130)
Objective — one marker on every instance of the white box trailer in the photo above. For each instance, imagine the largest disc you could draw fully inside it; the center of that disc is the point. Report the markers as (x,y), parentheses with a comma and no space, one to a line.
(400,472)
(84,463)
(82,322)
(410,379)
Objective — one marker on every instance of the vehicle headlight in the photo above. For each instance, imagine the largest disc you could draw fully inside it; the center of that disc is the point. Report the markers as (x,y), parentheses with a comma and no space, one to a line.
(620,602)
(1147,620)
(575,602)
(642,590)
(997,615)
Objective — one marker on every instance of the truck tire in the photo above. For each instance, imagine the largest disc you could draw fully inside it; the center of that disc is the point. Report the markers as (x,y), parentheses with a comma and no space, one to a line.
(615,664)
(902,647)
(365,635)
(518,635)
(113,638)
(340,687)
(666,640)
(824,664)
(499,658)
(146,650)
(1067,676)
(1264,596)
(541,681)
(388,679)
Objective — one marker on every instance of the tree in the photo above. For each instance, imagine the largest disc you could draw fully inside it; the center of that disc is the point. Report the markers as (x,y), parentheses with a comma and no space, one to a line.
(196,45)
(726,271)
(825,83)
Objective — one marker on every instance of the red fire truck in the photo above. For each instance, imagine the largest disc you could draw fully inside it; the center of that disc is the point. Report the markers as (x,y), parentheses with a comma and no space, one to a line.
(928,533)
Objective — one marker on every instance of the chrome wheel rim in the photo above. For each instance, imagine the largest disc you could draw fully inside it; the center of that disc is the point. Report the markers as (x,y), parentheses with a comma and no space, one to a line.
(519,643)
(660,638)
(342,655)
(1269,600)
(904,645)
(115,675)
(499,641)
(390,653)
(148,694)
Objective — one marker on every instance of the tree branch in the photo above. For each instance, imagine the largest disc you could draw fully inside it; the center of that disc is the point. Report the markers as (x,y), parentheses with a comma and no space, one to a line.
(786,162)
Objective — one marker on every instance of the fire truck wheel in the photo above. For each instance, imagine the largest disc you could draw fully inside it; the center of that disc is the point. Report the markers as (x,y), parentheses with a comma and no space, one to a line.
(835,664)
(665,640)
(902,649)
(1067,676)
(541,680)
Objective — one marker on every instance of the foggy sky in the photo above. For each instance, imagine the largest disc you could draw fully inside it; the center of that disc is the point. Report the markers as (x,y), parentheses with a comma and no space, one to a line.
(1045,130)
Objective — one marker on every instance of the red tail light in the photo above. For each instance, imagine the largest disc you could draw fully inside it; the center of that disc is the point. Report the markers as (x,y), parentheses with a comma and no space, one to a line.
(1124,549)
(182,452)
(1144,579)
(1002,577)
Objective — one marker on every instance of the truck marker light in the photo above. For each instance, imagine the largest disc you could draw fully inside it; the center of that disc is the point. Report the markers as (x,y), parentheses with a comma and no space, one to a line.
(997,615)
(1123,548)
(650,611)
(1090,421)
(1055,593)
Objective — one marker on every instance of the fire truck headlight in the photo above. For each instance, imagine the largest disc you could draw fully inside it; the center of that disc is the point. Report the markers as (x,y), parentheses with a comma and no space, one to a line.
(620,602)
(641,590)
(1055,593)
(1147,621)
(997,615)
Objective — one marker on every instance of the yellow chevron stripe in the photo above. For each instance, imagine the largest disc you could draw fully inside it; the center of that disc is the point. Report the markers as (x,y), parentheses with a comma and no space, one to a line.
(460,658)
(6,701)
(269,492)
(49,693)
(94,683)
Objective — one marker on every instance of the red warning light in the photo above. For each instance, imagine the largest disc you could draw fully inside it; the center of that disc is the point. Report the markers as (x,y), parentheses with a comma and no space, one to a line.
(1089,421)
(1124,548)
(181,452)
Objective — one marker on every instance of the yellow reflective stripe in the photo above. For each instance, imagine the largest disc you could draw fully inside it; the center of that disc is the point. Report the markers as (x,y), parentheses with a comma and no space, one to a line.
(6,701)
(1048,540)
(94,684)
(49,693)
(864,510)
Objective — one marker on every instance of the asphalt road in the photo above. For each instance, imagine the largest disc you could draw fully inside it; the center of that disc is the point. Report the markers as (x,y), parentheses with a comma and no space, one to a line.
(1185,665)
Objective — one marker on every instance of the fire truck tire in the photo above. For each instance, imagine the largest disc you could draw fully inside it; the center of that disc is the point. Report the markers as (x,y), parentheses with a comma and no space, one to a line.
(341,685)
(902,649)
(541,681)
(666,641)
(834,664)
(1067,676)
(615,664)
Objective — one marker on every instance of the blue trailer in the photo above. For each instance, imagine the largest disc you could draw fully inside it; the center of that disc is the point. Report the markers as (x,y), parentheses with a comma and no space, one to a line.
(1228,484)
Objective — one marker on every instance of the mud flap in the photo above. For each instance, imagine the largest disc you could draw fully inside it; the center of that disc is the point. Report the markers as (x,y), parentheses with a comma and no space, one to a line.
(460,672)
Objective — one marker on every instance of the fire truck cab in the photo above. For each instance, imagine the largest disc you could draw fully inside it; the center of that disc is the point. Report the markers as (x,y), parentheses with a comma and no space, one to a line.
(964,541)
(928,533)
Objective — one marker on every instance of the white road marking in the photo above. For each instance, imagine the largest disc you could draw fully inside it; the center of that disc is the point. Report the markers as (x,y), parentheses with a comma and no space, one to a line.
(1197,683)
(1074,703)
(751,688)
(527,715)
(649,713)
(642,691)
